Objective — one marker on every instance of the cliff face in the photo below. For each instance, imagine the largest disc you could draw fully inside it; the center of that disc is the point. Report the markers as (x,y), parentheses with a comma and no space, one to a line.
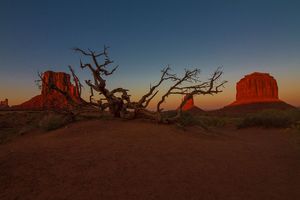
(255,88)
(50,98)
(60,80)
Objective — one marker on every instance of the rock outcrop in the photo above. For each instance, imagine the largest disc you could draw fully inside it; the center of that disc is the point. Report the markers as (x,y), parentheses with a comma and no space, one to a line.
(4,104)
(61,80)
(50,98)
(190,107)
(189,104)
(255,92)
(256,88)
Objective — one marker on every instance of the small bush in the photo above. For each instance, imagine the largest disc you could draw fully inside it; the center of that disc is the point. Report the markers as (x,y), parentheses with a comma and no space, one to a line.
(187,119)
(53,121)
(212,121)
(169,113)
(271,119)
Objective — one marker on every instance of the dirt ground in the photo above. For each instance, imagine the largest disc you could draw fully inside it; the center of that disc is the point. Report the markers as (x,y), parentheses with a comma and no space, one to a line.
(110,159)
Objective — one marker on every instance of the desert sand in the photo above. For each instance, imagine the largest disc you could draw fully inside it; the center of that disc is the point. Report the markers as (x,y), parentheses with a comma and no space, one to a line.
(114,159)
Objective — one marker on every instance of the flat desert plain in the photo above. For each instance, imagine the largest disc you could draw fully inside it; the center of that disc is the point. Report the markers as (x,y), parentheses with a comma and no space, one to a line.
(113,159)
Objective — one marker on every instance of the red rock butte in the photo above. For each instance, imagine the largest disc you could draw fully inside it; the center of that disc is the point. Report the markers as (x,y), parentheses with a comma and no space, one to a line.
(50,98)
(189,104)
(61,80)
(190,107)
(256,88)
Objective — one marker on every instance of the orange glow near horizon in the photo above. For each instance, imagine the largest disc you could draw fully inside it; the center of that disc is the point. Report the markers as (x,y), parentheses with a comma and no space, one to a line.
(203,102)
(18,93)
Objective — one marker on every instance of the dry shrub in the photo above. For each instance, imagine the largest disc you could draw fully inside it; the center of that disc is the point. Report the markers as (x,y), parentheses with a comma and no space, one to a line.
(53,121)
(204,121)
(212,121)
(187,119)
(271,119)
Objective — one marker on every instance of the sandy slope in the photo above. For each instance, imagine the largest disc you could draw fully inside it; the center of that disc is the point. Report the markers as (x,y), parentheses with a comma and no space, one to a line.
(139,160)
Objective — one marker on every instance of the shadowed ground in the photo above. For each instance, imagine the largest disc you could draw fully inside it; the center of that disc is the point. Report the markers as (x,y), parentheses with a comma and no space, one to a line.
(138,160)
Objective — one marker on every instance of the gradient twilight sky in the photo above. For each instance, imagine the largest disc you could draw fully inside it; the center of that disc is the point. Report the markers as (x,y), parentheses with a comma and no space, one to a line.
(144,36)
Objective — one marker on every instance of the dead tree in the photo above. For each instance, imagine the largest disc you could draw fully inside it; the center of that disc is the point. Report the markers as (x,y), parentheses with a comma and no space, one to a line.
(188,85)
(193,87)
(118,101)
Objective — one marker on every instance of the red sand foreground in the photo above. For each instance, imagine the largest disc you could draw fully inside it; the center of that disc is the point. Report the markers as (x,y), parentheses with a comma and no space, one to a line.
(139,160)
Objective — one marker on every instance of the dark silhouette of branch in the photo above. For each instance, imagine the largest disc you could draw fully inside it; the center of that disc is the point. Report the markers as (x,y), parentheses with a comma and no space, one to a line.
(118,100)
(189,85)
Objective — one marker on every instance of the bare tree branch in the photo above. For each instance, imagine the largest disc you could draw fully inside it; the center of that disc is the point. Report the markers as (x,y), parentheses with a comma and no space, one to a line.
(76,80)
(118,100)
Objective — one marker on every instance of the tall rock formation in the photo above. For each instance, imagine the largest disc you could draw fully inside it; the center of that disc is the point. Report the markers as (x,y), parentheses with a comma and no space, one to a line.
(61,80)
(255,92)
(190,107)
(50,98)
(189,104)
(4,104)
(256,88)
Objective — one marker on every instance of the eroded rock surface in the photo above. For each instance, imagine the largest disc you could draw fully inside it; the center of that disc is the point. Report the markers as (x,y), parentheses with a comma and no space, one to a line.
(255,88)
(189,104)
(50,98)
(61,80)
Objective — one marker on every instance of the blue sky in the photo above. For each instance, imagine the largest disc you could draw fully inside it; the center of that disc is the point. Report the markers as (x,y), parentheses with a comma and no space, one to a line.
(144,36)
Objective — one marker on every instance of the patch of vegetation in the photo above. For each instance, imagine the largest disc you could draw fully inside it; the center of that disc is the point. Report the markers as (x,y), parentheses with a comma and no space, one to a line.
(16,123)
(213,121)
(187,119)
(53,121)
(7,134)
(205,121)
(272,119)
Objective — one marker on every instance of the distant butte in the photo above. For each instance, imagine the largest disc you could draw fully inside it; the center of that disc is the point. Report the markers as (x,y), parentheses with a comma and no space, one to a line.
(50,98)
(189,104)
(4,104)
(255,92)
(190,107)
(256,88)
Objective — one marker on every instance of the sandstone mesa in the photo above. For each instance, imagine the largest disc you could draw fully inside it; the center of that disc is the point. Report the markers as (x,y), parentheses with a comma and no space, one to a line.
(50,98)
(253,88)
(256,88)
